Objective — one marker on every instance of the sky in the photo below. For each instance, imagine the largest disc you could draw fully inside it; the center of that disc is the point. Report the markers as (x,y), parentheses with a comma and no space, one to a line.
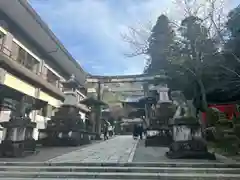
(92,30)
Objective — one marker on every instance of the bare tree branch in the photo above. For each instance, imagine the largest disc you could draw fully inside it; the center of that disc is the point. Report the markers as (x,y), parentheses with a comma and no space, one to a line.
(137,38)
(230,70)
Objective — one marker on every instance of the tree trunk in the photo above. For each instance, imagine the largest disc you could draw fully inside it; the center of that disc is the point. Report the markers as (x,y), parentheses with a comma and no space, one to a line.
(203,102)
(203,95)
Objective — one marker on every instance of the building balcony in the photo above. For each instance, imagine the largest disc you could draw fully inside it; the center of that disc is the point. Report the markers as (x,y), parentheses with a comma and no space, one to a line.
(25,71)
(53,81)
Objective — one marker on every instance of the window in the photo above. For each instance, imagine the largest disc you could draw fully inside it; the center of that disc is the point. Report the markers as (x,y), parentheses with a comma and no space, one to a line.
(15,51)
(21,56)
(31,63)
(52,78)
(24,58)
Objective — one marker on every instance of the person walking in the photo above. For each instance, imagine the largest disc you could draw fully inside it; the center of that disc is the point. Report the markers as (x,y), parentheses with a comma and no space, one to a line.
(140,131)
(135,131)
(105,132)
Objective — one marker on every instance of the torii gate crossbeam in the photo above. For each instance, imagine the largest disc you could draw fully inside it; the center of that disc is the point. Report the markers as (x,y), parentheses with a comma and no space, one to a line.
(123,79)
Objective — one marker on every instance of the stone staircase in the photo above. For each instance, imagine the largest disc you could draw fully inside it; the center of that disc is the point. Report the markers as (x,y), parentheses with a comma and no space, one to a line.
(171,170)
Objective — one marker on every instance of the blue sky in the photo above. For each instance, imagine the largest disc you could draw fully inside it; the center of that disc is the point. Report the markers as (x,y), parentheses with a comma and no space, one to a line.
(92,30)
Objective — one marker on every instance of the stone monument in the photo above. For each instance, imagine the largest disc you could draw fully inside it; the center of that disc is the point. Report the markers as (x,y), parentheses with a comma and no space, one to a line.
(66,127)
(18,131)
(187,135)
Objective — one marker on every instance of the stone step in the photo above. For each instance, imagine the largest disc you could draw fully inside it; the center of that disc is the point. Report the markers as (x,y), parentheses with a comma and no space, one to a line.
(169,163)
(101,169)
(117,175)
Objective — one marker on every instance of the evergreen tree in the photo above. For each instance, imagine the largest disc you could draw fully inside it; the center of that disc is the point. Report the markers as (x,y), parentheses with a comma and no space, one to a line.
(160,41)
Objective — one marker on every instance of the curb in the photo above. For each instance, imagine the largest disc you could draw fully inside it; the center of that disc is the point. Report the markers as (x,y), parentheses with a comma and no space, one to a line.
(130,159)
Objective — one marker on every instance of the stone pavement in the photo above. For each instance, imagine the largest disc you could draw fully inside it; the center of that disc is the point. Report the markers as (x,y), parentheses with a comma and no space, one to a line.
(44,154)
(114,159)
(156,154)
(117,149)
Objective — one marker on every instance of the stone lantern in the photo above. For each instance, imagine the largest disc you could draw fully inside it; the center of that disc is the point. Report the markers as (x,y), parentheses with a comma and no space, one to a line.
(66,127)
(18,131)
(158,133)
(186,133)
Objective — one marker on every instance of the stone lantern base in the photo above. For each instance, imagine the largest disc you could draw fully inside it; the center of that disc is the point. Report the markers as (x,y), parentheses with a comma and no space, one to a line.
(190,149)
(66,128)
(18,139)
(188,141)
(66,137)
(160,137)
(159,133)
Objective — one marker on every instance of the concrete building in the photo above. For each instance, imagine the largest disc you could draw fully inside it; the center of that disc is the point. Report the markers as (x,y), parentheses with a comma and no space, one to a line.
(32,61)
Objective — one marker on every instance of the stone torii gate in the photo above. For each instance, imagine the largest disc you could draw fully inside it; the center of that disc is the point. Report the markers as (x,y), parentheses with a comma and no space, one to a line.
(144,79)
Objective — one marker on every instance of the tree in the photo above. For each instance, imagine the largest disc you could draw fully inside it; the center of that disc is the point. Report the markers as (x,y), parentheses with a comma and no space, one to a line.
(194,57)
(231,49)
(233,28)
(197,51)
(160,42)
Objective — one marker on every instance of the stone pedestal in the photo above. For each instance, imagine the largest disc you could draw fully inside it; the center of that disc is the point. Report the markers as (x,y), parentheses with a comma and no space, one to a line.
(65,128)
(187,140)
(18,137)
(18,131)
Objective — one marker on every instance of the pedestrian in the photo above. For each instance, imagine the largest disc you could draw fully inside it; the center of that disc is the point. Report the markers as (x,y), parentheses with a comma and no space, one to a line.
(140,131)
(110,130)
(105,131)
(135,131)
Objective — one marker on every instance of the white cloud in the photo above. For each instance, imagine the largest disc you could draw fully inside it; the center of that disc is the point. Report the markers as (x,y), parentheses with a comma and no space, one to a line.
(101,23)
(105,23)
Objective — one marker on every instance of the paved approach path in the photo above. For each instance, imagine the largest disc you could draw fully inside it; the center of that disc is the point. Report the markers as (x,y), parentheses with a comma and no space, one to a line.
(157,154)
(117,149)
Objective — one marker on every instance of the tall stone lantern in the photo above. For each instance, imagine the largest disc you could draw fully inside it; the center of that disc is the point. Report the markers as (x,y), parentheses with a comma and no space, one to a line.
(66,127)
(158,133)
